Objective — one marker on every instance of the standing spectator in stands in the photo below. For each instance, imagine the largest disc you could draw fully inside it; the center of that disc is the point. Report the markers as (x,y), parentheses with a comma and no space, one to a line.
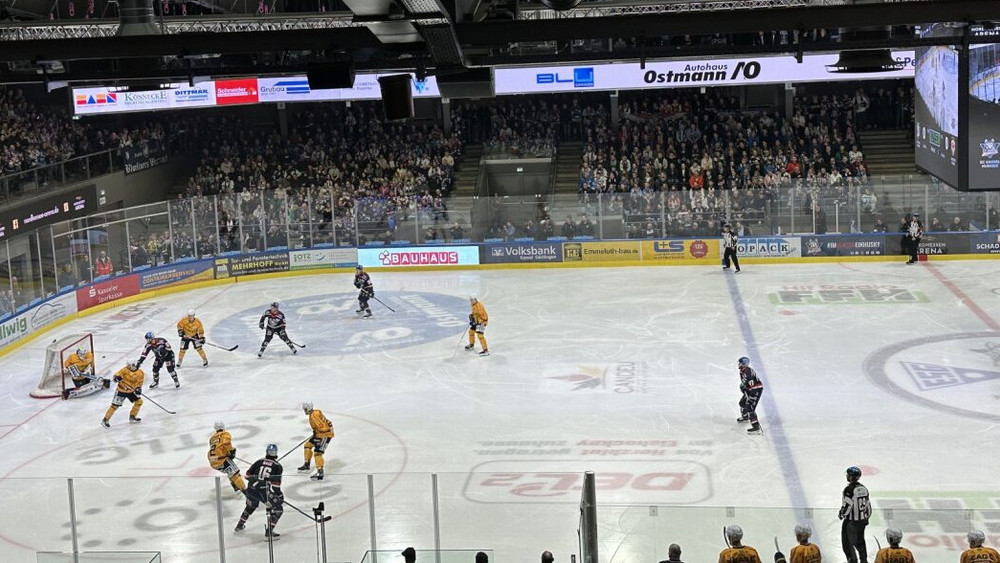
(994,219)
(585,228)
(894,553)
(673,554)
(568,227)
(103,266)
(861,104)
(936,226)
(66,276)
(880,226)
(737,552)
(457,232)
(547,557)
(957,226)
(854,511)
(976,552)
(805,552)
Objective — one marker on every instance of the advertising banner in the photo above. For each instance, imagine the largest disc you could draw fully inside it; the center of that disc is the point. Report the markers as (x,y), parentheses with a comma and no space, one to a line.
(521,252)
(236,91)
(43,314)
(931,243)
(143,156)
(221,268)
(250,264)
(176,274)
(680,249)
(984,243)
(769,247)
(683,74)
(600,251)
(843,245)
(392,257)
(110,290)
(323,258)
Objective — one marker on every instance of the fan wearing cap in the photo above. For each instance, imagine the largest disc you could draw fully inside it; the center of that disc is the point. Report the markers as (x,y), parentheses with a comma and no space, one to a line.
(914,231)
(477,326)
(894,553)
(363,282)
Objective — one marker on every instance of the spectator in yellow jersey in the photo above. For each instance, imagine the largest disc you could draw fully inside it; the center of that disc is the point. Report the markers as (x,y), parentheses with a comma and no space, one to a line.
(315,446)
(129,380)
(805,552)
(977,553)
(222,456)
(477,326)
(191,331)
(894,553)
(737,552)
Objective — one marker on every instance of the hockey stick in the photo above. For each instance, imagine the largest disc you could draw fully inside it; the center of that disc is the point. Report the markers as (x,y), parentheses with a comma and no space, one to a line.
(779,557)
(459,345)
(383,304)
(293,449)
(876,542)
(159,405)
(725,537)
(313,518)
(222,347)
(297,344)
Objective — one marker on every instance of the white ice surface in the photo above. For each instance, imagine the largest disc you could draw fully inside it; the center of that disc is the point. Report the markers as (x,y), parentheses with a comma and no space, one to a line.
(629,372)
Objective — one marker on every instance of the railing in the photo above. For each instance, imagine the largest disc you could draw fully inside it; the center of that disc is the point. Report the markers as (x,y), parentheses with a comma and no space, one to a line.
(66,255)
(515,514)
(37,181)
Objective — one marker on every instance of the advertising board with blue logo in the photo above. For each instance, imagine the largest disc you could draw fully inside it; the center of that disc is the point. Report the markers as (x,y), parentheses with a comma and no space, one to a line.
(403,256)
(521,252)
(323,258)
(177,274)
(843,245)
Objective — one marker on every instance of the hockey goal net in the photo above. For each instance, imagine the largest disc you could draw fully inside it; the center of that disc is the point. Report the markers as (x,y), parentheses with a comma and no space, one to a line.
(54,378)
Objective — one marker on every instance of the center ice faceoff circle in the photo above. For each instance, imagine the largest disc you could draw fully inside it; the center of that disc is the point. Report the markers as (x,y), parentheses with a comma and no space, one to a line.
(327,323)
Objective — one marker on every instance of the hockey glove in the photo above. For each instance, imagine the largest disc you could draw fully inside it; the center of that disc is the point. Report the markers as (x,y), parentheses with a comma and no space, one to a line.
(261,326)
(139,363)
(180,333)
(779,557)
(232,453)
(138,392)
(117,378)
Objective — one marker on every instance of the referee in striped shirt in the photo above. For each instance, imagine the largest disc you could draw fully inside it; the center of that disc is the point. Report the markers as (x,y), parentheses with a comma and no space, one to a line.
(854,511)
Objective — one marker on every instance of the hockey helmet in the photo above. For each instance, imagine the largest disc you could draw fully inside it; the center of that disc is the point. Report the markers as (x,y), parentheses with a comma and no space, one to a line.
(307,407)
(150,335)
(893,535)
(191,313)
(744,361)
(734,533)
(854,472)
(219,425)
(80,353)
(359,267)
(976,538)
(274,305)
(132,366)
(271,451)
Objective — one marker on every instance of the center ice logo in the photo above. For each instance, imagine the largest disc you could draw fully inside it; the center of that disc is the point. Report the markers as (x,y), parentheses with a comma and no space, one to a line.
(328,325)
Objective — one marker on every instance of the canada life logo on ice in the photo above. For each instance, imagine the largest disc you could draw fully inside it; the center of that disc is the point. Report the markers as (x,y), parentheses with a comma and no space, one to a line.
(239,91)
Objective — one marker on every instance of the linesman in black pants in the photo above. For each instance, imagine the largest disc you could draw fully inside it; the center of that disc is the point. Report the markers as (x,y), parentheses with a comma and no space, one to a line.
(854,511)
(729,241)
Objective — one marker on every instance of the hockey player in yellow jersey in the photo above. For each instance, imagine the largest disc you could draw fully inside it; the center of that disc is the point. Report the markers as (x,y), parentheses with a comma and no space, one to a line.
(79,365)
(129,380)
(737,552)
(477,326)
(805,552)
(222,456)
(894,553)
(315,446)
(191,331)
(977,553)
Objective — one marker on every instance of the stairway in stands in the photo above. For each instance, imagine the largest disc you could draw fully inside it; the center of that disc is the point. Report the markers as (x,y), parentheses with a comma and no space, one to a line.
(568,161)
(888,153)
(460,200)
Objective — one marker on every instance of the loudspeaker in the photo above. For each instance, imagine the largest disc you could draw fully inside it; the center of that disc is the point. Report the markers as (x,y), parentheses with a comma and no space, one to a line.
(397,98)
(327,76)
(472,83)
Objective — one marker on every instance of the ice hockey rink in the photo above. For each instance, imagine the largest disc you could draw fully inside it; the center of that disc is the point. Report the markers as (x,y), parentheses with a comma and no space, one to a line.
(627,372)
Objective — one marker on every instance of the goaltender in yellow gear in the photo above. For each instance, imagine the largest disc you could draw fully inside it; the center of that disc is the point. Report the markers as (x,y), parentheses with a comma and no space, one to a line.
(191,331)
(129,379)
(79,366)
(222,456)
(477,326)
(315,446)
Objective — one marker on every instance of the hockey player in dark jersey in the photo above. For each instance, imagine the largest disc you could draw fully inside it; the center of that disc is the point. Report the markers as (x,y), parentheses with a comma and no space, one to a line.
(162,355)
(363,282)
(273,322)
(264,486)
(752,389)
